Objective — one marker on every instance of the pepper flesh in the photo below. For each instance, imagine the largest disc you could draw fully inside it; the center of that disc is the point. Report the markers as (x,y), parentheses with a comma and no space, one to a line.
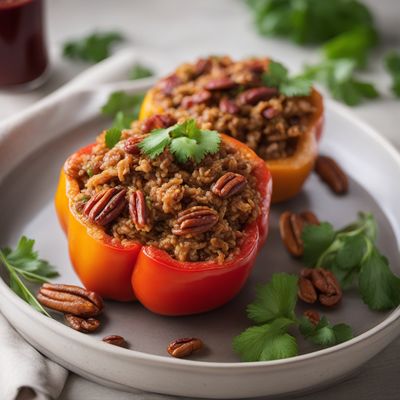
(289,173)
(146,273)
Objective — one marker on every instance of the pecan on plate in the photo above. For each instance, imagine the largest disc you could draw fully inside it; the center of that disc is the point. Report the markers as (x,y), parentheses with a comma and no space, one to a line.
(105,206)
(70,299)
(313,316)
(194,220)
(184,347)
(332,174)
(223,83)
(115,340)
(229,184)
(138,209)
(131,145)
(291,228)
(82,324)
(319,284)
(255,95)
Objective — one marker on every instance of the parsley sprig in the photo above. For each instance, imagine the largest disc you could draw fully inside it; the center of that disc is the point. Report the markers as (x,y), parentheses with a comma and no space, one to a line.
(24,263)
(278,76)
(351,254)
(92,48)
(274,313)
(185,141)
(392,64)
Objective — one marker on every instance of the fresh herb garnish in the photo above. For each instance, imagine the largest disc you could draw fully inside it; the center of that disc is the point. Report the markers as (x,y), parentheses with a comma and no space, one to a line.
(113,136)
(93,48)
(140,71)
(392,64)
(23,262)
(278,76)
(124,108)
(274,313)
(339,77)
(185,141)
(325,334)
(351,253)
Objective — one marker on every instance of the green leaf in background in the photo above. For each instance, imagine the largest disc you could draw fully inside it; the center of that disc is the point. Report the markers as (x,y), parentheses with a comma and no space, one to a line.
(276,299)
(140,71)
(392,64)
(121,101)
(113,136)
(24,262)
(92,48)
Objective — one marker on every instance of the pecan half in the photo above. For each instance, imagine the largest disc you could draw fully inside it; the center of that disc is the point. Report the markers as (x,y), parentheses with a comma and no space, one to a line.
(291,227)
(195,220)
(228,106)
(184,347)
(115,340)
(313,316)
(131,145)
(157,121)
(105,206)
(331,173)
(202,66)
(70,299)
(197,98)
(168,84)
(321,284)
(255,95)
(223,83)
(138,209)
(82,324)
(229,184)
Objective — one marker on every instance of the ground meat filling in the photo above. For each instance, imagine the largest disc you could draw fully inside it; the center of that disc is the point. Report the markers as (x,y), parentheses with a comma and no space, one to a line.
(229,97)
(135,198)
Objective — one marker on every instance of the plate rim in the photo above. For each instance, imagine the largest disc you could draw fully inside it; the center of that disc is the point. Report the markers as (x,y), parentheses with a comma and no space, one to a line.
(161,360)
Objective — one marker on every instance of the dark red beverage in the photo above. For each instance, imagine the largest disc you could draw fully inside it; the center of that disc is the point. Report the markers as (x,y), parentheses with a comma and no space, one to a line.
(23,54)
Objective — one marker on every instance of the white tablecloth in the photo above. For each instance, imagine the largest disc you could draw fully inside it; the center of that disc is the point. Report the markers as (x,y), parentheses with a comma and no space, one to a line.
(168,32)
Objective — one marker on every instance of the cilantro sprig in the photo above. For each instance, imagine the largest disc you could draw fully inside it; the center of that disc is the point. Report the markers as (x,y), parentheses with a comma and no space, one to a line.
(273,311)
(24,263)
(140,71)
(92,48)
(278,76)
(352,255)
(185,141)
(392,64)
(124,108)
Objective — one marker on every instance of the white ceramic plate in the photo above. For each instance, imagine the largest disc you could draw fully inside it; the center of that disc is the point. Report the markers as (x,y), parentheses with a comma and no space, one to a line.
(32,151)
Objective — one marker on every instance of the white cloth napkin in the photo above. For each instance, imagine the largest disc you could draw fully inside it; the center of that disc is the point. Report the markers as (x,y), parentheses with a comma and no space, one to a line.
(24,373)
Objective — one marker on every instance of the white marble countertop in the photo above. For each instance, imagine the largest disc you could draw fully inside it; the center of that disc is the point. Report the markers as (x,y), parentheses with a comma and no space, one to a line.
(179,30)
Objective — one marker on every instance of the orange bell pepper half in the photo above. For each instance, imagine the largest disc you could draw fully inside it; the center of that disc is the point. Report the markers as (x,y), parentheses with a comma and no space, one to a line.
(146,273)
(290,173)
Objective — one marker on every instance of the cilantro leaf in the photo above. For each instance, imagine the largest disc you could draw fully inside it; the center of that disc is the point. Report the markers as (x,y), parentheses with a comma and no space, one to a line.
(317,239)
(93,48)
(277,299)
(379,287)
(185,141)
(324,334)
(121,101)
(113,136)
(266,342)
(351,252)
(24,262)
(122,120)
(392,65)
(156,142)
(278,76)
(140,71)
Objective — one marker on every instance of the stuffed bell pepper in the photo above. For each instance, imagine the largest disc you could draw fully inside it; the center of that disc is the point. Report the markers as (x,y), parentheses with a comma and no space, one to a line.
(256,102)
(165,213)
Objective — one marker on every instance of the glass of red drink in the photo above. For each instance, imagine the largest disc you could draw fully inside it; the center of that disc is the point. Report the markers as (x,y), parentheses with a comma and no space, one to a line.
(23,52)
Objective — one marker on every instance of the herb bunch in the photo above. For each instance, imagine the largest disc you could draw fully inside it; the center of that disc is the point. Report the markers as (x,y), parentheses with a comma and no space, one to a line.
(23,263)
(352,255)
(273,312)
